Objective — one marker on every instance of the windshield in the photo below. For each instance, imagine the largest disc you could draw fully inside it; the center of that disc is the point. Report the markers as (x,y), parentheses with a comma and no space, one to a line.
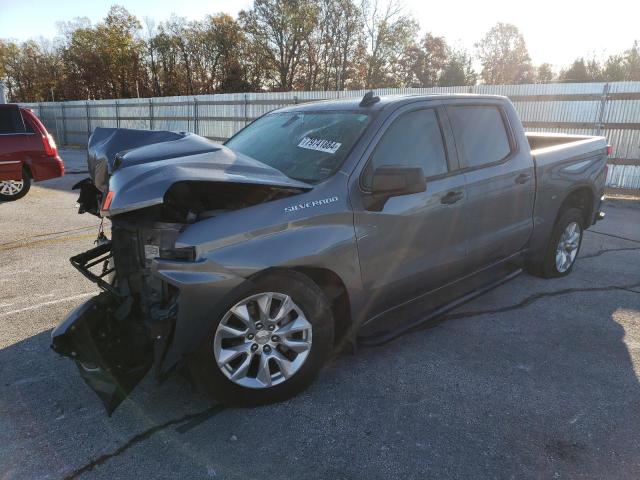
(307,146)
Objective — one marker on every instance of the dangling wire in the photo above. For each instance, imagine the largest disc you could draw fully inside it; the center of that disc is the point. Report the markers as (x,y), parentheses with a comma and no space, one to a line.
(102,238)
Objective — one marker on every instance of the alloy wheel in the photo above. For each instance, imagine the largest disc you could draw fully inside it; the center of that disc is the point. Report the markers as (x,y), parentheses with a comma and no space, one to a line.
(262,340)
(567,248)
(11,187)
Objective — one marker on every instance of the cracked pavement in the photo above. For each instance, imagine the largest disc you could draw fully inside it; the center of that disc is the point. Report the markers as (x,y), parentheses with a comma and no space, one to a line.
(536,379)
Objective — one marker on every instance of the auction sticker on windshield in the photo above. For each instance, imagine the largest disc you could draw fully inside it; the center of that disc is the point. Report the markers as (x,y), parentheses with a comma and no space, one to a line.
(319,145)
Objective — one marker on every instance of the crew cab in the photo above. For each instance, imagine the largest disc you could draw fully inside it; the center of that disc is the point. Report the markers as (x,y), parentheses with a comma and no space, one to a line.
(316,226)
(27,152)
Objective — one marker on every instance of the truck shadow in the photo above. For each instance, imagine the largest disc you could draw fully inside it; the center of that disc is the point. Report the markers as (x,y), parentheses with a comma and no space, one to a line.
(546,389)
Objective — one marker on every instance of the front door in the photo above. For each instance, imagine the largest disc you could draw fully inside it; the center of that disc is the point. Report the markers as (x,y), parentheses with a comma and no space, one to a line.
(416,242)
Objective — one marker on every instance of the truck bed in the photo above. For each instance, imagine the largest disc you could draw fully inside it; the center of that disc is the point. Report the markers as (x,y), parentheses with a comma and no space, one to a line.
(545,140)
(569,151)
(564,163)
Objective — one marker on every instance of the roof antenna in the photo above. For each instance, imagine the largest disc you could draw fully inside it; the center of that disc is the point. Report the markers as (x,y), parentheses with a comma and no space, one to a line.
(369,99)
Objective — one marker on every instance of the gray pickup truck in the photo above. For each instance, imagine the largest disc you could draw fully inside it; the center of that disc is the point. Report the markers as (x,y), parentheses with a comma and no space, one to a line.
(316,226)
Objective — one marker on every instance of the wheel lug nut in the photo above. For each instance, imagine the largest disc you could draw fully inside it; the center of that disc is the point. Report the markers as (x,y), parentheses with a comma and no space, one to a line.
(275,338)
(272,327)
(259,325)
(254,347)
(266,348)
(250,336)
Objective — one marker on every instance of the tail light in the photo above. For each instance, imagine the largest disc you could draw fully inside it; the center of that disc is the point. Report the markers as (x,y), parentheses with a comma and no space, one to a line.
(609,150)
(107,200)
(49,144)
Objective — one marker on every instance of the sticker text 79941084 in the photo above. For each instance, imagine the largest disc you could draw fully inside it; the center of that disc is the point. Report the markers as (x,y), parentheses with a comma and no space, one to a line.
(320,145)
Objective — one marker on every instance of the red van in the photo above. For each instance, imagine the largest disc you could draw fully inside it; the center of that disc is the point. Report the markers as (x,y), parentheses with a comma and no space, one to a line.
(27,152)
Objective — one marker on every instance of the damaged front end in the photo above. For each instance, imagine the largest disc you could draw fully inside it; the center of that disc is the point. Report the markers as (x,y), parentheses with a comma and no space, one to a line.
(151,283)
(101,338)
(116,337)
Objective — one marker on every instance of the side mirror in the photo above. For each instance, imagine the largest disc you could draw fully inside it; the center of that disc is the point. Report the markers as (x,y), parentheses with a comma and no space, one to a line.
(394,181)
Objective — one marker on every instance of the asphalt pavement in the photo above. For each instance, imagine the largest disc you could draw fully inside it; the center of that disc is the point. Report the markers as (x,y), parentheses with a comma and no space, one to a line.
(536,379)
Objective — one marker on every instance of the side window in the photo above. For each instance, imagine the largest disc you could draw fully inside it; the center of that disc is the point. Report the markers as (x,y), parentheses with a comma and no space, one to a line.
(10,121)
(480,134)
(414,139)
(28,127)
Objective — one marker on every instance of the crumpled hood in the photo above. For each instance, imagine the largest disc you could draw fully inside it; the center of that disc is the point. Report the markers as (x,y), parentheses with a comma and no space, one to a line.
(141,176)
(109,147)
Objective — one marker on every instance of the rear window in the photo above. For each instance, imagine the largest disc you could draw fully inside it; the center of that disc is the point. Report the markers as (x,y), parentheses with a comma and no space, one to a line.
(11,121)
(480,134)
(307,146)
(28,123)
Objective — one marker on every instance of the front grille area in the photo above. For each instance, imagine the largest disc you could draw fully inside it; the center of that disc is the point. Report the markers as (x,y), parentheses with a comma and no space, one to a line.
(134,246)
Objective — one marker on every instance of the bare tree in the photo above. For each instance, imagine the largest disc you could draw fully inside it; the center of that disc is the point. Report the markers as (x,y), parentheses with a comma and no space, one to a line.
(330,51)
(280,27)
(181,32)
(150,34)
(390,35)
(504,56)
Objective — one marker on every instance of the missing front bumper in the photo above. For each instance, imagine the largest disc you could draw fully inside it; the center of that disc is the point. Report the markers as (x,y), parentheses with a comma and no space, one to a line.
(110,350)
(101,257)
(152,314)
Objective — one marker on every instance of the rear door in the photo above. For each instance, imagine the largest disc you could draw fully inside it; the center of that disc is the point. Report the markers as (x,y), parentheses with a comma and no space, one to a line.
(500,182)
(416,242)
(15,143)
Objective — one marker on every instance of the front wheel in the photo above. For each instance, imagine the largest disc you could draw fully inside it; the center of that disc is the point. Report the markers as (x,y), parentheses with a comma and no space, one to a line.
(563,247)
(11,190)
(269,344)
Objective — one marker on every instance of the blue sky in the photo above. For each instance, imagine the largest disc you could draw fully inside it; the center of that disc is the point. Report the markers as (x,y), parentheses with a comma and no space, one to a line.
(556,31)
(22,19)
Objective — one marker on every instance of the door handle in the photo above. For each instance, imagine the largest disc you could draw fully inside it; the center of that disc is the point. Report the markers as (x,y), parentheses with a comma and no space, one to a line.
(451,198)
(523,178)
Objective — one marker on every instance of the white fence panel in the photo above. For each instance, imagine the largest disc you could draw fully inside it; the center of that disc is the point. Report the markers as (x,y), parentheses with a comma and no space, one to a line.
(609,109)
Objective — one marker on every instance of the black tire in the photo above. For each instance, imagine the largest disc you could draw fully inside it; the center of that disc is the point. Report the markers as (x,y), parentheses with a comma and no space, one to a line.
(26,186)
(546,267)
(310,298)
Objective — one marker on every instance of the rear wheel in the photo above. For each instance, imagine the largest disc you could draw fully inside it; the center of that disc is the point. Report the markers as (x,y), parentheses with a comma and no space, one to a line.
(11,190)
(563,247)
(269,344)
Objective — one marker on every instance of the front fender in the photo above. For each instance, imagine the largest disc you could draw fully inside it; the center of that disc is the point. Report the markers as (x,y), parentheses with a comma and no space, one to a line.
(327,242)
(203,287)
(208,285)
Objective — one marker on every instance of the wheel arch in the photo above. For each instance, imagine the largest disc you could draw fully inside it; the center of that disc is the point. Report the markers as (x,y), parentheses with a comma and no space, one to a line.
(581,197)
(28,169)
(334,289)
(336,292)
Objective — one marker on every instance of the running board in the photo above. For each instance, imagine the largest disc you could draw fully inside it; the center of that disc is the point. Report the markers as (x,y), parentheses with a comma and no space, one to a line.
(434,316)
